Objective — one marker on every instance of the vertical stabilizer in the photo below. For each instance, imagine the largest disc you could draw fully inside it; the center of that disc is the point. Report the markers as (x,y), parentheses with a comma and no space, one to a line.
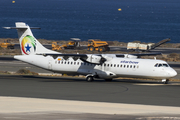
(28,43)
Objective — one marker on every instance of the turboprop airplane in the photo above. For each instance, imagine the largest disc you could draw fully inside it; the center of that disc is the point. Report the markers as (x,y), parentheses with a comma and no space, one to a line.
(104,66)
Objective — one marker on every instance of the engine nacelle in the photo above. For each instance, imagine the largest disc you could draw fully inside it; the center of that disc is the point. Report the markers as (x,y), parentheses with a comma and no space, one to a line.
(129,56)
(95,59)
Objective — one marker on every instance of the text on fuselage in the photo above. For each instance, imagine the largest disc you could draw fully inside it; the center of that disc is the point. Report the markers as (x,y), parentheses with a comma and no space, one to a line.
(130,62)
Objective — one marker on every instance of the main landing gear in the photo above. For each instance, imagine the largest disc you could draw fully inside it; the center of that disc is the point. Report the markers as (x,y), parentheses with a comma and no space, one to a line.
(165,81)
(89,78)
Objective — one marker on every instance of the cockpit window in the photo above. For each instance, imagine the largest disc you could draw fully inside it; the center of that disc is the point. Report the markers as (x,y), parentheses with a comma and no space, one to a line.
(156,65)
(161,65)
(165,65)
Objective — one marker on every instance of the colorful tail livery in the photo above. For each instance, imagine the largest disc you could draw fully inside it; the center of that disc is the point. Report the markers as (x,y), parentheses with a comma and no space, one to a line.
(29,44)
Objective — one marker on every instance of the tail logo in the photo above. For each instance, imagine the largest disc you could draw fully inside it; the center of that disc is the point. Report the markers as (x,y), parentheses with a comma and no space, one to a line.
(28,45)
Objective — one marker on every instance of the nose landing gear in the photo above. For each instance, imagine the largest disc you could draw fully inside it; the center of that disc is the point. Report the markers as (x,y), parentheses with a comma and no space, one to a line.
(165,81)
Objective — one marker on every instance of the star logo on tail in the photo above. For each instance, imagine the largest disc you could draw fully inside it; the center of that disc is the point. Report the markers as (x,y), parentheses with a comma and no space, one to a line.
(27,48)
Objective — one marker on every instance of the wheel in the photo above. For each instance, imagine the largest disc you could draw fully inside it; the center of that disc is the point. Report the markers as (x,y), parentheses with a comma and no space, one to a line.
(89,79)
(91,48)
(101,49)
(108,80)
(165,81)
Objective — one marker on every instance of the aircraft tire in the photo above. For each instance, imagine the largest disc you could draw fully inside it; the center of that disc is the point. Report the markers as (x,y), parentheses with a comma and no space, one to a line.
(89,79)
(166,82)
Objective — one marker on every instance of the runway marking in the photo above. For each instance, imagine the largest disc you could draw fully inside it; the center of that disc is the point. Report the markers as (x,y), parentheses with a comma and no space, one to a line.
(148,84)
(159,118)
(156,84)
(26,105)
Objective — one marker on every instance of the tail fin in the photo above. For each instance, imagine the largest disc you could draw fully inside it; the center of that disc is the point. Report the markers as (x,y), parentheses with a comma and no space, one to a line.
(28,43)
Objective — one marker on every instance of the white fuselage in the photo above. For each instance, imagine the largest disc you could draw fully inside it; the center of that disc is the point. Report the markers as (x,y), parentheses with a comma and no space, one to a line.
(112,68)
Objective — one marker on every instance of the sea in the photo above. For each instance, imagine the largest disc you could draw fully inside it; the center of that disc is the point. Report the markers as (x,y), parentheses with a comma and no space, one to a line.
(109,20)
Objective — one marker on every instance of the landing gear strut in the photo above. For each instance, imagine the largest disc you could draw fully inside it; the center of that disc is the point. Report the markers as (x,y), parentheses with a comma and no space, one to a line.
(165,81)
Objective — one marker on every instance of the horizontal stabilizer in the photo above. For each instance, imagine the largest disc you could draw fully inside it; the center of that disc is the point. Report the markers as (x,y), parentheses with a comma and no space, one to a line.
(21,27)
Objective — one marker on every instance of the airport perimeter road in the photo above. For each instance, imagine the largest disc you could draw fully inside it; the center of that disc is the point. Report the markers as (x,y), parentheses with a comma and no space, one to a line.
(124,49)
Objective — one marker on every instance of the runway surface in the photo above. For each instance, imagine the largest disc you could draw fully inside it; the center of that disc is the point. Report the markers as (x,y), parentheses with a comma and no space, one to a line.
(46,97)
(118,91)
(33,96)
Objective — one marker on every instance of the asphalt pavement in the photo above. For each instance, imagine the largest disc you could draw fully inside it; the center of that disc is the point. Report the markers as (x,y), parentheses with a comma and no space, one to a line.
(42,97)
(47,97)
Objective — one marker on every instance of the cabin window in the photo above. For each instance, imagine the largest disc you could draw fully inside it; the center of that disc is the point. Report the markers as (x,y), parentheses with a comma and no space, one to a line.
(138,66)
(111,65)
(130,66)
(118,65)
(114,65)
(74,63)
(59,62)
(68,63)
(121,65)
(64,62)
(104,65)
(124,66)
(134,66)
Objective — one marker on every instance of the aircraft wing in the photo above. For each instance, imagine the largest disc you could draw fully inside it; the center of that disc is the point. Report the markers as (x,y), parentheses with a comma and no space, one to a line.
(137,55)
(89,58)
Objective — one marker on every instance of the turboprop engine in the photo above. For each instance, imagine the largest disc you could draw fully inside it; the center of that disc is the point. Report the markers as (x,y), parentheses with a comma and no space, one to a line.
(95,59)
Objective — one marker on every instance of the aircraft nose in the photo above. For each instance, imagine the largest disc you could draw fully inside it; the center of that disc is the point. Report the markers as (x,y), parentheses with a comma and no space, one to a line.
(172,73)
